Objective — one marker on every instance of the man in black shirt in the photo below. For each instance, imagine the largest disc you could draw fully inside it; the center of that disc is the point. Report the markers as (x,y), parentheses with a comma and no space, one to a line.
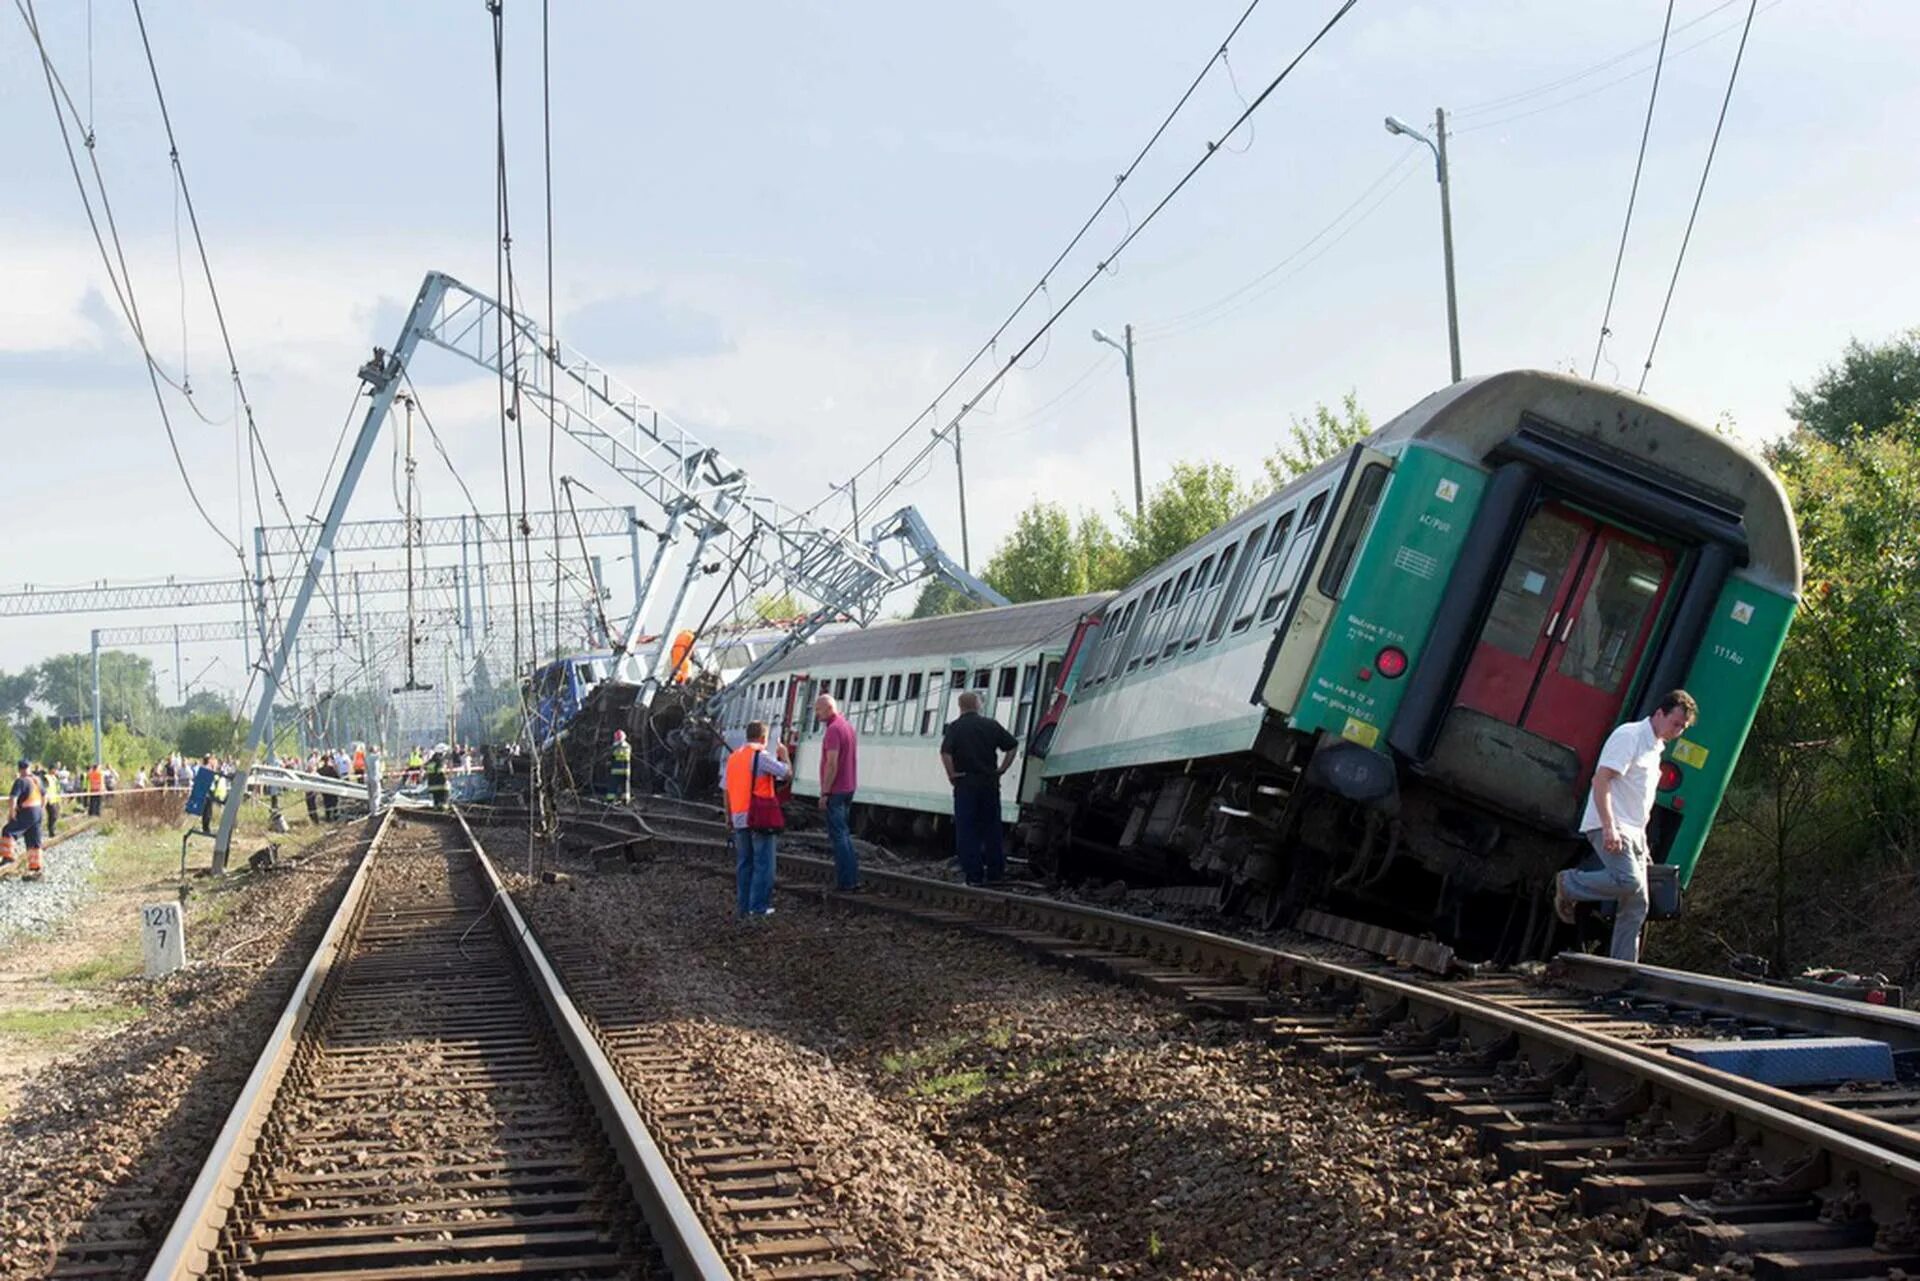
(967,752)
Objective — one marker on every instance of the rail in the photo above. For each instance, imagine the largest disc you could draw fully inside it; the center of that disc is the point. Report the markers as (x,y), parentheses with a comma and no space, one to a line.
(220,1200)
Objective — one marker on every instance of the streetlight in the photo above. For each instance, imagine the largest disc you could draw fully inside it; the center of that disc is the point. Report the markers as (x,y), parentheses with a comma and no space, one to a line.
(1439,150)
(1133,414)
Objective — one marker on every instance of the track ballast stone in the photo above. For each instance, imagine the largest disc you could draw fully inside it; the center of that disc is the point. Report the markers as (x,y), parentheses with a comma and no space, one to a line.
(974,1113)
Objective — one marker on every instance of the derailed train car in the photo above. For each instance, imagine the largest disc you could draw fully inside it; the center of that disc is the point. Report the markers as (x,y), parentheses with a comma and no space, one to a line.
(1383,688)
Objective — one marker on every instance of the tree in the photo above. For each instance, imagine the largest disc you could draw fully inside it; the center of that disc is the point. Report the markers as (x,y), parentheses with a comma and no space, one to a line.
(767,606)
(65,684)
(219,735)
(1196,499)
(1040,559)
(937,597)
(16,691)
(1870,389)
(1858,632)
(1100,550)
(1314,440)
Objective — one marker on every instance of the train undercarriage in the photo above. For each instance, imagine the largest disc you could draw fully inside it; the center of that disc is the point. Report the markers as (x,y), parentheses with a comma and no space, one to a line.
(1267,829)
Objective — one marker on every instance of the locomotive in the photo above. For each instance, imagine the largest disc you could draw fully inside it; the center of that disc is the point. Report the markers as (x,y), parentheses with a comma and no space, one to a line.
(1382,688)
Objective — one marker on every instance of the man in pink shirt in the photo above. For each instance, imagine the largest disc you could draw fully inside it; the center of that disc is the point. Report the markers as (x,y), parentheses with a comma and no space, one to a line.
(838,779)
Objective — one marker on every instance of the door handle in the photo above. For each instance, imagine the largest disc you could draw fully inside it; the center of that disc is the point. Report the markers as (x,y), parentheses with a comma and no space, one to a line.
(1553,621)
(1568,629)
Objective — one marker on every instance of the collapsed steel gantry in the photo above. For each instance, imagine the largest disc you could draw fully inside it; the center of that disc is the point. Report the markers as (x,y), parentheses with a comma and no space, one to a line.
(703,497)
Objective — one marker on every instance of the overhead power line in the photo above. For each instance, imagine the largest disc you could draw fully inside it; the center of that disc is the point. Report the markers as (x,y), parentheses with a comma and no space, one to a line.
(1707,168)
(119,277)
(1040,286)
(1633,193)
(1213,149)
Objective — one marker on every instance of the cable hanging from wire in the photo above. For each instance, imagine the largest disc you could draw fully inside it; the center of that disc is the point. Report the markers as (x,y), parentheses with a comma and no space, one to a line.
(1213,148)
(1112,193)
(1639,164)
(1699,192)
(120,279)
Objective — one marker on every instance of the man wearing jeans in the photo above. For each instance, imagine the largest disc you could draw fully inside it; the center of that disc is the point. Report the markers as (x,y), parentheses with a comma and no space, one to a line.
(752,771)
(838,779)
(1624,783)
(967,753)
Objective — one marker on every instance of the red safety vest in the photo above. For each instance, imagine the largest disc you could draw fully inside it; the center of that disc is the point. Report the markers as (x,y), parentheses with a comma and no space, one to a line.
(740,778)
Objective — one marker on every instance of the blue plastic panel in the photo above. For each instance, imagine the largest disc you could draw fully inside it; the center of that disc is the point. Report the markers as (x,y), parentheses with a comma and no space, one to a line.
(1799,1061)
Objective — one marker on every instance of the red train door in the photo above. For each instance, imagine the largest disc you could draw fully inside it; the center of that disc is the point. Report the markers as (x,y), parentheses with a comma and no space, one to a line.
(1574,611)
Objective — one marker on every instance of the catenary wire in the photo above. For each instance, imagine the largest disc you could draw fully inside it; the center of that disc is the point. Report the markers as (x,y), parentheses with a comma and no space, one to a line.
(1699,192)
(1633,193)
(1120,179)
(1213,148)
(1505,100)
(122,281)
(1614,83)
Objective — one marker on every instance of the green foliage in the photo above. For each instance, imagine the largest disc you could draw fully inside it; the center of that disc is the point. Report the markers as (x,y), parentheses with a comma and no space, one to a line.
(767,606)
(1041,559)
(1311,441)
(1196,499)
(218,734)
(1854,652)
(16,691)
(939,597)
(64,683)
(1872,389)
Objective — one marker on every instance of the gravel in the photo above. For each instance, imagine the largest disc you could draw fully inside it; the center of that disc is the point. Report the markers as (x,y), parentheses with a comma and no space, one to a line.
(104,1145)
(37,907)
(974,1113)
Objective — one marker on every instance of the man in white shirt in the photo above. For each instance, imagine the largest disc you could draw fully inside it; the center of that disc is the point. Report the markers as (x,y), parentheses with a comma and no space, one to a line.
(1615,823)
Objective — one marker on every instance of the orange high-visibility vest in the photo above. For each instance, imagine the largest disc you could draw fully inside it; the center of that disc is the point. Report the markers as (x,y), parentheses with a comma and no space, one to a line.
(96,779)
(33,796)
(740,778)
(360,762)
(679,656)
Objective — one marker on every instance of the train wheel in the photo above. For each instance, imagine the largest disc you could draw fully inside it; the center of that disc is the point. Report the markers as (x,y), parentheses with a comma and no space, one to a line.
(1233,895)
(1277,910)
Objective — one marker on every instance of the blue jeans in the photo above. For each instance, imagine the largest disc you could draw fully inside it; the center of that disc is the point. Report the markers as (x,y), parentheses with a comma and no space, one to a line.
(1621,879)
(977,838)
(846,863)
(753,872)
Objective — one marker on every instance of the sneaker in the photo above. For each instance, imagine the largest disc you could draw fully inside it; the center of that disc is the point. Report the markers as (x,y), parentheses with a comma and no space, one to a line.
(1563,903)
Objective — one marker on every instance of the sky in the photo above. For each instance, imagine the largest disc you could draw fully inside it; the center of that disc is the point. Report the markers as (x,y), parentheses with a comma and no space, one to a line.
(790,225)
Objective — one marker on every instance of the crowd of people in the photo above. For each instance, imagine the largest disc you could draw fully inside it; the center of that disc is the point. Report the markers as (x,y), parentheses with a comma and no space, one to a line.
(975,751)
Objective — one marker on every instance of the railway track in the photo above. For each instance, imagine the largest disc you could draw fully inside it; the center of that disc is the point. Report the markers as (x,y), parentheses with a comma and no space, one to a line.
(1572,1076)
(433,1105)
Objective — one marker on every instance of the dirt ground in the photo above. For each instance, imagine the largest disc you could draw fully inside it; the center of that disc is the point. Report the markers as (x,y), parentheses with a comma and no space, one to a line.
(66,991)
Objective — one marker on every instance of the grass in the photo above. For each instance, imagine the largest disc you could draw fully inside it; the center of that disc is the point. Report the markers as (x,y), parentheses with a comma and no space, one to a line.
(1153,1245)
(922,1058)
(51,1025)
(954,1086)
(122,961)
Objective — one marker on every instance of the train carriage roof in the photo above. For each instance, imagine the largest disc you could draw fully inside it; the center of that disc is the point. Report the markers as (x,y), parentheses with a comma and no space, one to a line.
(1007,630)
(1473,418)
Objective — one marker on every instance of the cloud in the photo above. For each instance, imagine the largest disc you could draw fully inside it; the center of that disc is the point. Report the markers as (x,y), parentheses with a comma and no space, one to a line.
(644,328)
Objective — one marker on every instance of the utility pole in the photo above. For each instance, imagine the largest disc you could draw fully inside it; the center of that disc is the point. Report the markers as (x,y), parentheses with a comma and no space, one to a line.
(1446,239)
(1133,417)
(960,470)
(1439,150)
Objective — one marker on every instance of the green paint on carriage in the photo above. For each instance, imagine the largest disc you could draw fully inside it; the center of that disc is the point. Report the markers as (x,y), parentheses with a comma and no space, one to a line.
(1398,578)
(1728,677)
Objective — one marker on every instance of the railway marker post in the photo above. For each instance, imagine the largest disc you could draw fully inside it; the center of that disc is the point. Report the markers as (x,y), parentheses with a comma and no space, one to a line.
(163,938)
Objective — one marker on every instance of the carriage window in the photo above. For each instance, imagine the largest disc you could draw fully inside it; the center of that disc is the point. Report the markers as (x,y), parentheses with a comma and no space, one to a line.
(1145,639)
(859,689)
(1008,675)
(983,679)
(840,690)
(1280,586)
(1201,602)
(1263,571)
(1029,691)
(1173,617)
(1116,643)
(1233,568)
(893,688)
(930,710)
(1353,527)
